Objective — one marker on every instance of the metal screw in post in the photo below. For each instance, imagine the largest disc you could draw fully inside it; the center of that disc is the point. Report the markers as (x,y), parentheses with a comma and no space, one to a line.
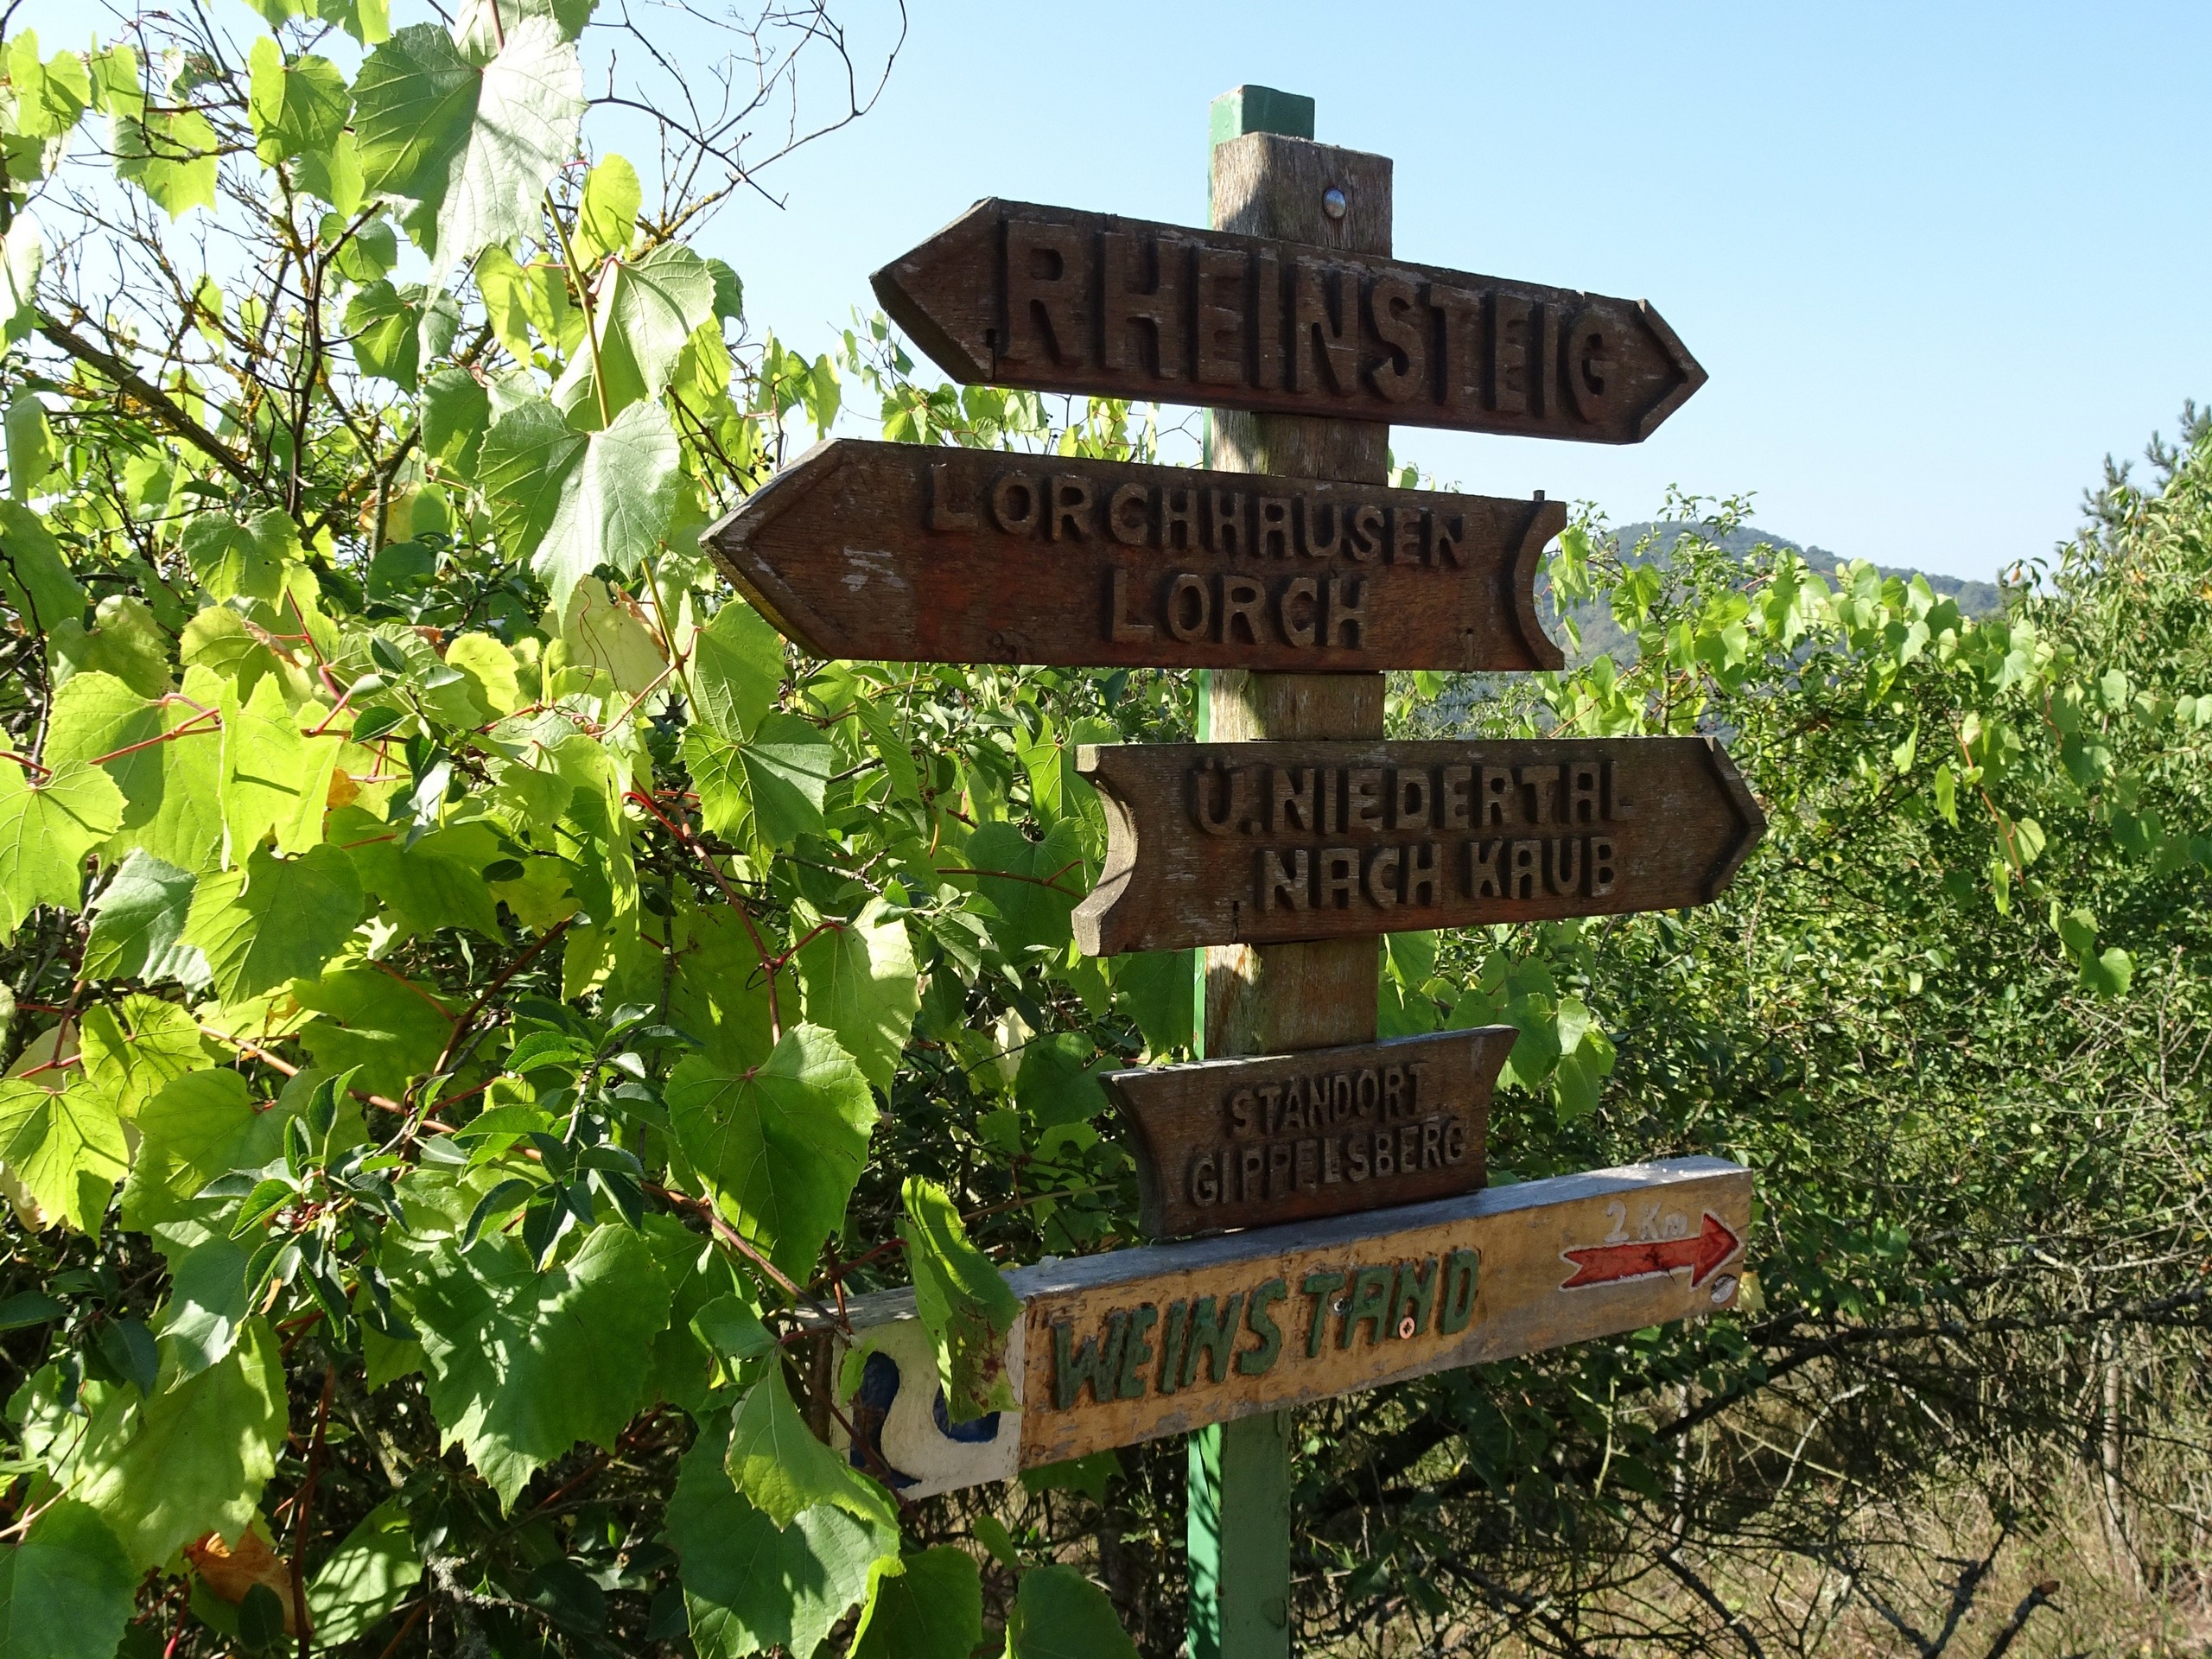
(1333,202)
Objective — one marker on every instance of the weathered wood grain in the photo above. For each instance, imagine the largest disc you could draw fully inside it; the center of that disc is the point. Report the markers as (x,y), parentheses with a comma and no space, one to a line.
(1256,843)
(1060,300)
(1130,1345)
(1329,1132)
(899,553)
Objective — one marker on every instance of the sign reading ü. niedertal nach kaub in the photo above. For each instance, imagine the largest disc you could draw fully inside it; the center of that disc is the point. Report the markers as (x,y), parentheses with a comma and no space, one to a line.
(1357,1245)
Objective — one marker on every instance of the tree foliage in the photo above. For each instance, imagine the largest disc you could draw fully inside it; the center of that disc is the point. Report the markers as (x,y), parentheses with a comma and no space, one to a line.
(473,995)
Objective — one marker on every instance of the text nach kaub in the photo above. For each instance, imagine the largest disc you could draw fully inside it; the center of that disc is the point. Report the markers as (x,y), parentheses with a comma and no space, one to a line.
(1415,836)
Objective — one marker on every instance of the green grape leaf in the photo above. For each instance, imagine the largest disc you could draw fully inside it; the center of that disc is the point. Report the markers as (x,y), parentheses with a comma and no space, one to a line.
(137,921)
(750,1586)
(35,583)
(275,776)
(721,993)
(787,766)
(273,919)
(64,1145)
(1157,989)
(567,501)
(608,217)
(931,1607)
(387,325)
(456,410)
(426,886)
(966,1305)
(890,745)
(209,1302)
(480,22)
(45,833)
(186,828)
(779,1145)
(645,313)
(365,1578)
(475,145)
(126,640)
(491,669)
(707,1314)
(93,715)
(203,1125)
(1059,1614)
(859,981)
(165,147)
(1056,1080)
(295,107)
(67,1589)
(784,1471)
(392,1028)
(1033,885)
(729,291)
(133,1049)
(22,259)
(190,1460)
(521,1364)
(230,559)
(774,786)
(737,668)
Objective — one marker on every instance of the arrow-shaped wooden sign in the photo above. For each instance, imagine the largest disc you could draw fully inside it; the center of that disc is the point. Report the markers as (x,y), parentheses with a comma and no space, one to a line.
(1016,294)
(1163,1339)
(896,552)
(1287,1137)
(1261,843)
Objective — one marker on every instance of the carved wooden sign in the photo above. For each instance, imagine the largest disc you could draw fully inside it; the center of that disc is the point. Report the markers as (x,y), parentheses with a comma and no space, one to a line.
(1015,295)
(1288,1137)
(896,552)
(1164,1338)
(1259,843)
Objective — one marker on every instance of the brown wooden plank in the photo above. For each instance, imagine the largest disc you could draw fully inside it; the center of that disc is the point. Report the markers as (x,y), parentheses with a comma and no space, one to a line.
(1253,842)
(1329,1132)
(1014,294)
(895,552)
(1309,1311)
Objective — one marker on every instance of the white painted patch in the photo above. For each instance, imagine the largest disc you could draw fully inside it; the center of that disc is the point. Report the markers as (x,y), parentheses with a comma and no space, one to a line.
(908,1438)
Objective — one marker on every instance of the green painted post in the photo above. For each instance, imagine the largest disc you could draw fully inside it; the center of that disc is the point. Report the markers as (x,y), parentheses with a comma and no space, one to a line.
(1236,1530)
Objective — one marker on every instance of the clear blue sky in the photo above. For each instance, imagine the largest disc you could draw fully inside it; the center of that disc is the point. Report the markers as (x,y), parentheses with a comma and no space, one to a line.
(1938,260)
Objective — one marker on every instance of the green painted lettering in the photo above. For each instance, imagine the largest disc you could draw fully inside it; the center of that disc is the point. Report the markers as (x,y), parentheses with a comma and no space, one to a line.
(1414,1300)
(1213,1333)
(1088,1362)
(1136,1353)
(1171,1348)
(1370,1306)
(1320,1286)
(1258,1362)
(1461,1270)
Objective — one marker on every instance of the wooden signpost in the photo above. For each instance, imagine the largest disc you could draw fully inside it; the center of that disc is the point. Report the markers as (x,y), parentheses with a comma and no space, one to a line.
(897,553)
(1165,1338)
(1342,1178)
(1016,294)
(1288,1137)
(1265,842)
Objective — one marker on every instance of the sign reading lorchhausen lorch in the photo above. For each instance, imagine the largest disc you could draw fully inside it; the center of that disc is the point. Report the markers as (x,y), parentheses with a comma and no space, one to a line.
(1355,1245)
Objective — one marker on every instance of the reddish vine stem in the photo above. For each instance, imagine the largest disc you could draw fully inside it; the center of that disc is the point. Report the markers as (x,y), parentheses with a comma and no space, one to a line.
(303,1513)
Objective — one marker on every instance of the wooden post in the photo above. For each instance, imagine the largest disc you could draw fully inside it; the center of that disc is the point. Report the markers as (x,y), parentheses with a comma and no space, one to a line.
(1269,178)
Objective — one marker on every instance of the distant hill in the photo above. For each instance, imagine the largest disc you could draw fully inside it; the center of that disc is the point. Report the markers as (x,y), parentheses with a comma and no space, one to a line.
(1601,635)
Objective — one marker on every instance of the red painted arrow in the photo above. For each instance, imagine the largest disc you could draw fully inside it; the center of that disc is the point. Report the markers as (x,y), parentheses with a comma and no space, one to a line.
(1606,1264)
